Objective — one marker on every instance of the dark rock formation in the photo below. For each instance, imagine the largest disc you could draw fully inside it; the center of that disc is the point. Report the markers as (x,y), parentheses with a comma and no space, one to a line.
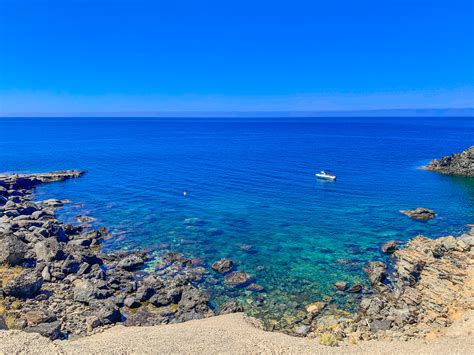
(461,164)
(389,247)
(55,281)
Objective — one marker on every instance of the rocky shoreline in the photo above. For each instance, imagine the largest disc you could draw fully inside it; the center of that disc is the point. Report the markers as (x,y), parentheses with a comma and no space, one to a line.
(461,164)
(54,280)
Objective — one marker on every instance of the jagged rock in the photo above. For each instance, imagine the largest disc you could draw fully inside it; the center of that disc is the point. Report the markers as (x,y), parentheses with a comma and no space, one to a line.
(420,213)
(231,307)
(166,296)
(432,286)
(12,249)
(193,299)
(144,293)
(457,164)
(389,247)
(223,265)
(376,271)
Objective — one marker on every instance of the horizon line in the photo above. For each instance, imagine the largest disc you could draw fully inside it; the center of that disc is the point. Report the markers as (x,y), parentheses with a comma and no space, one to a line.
(403,112)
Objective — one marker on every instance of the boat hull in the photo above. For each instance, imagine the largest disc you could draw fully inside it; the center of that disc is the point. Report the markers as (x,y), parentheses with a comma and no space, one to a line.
(325,177)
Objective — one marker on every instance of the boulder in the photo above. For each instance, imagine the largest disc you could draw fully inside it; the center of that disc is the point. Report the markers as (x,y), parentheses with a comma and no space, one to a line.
(377,325)
(12,249)
(26,284)
(106,311)
(84,291)
(47,250)
(237,279)
(131,302)
(223,266)
(420,213)
(340,285)
(130,262)
(37,317)
(166,296)
(92,322)
(193,298)
(48,330)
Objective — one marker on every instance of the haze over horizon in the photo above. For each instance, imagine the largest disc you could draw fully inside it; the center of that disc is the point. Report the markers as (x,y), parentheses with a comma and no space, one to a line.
(238,56)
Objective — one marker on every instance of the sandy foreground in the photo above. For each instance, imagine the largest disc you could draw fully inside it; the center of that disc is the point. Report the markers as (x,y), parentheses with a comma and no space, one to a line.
(227,334)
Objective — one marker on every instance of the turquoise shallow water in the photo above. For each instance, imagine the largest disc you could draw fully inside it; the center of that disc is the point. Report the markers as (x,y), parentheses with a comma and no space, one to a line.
(252,195)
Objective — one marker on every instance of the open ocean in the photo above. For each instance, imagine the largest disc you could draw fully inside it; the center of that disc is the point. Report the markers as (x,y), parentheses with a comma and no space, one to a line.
(251,191)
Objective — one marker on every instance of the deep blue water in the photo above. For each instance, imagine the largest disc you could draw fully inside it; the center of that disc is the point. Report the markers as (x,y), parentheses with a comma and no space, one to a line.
(251,182)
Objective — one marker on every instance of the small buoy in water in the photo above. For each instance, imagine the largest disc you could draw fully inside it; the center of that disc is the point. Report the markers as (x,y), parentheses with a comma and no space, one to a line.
(185,193)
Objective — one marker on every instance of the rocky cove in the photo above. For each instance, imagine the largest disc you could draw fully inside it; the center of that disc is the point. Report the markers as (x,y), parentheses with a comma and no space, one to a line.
(56,281)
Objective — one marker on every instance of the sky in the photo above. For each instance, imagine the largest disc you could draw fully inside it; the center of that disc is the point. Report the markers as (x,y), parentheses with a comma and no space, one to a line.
(83,56)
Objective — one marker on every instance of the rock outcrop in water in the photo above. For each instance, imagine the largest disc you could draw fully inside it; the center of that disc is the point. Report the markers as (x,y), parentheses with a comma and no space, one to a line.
(461,164)
(55,281)
(420,214)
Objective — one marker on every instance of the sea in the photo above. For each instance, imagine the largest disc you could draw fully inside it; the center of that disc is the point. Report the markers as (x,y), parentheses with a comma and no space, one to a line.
(245,189)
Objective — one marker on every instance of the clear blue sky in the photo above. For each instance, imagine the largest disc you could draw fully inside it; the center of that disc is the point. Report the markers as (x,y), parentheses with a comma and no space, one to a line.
(223,55)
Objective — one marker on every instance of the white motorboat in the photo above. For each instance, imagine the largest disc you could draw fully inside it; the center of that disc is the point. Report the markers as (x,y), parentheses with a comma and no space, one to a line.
(326,175)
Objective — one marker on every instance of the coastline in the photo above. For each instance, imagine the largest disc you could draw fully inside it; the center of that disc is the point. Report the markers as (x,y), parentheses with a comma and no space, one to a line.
(97,305)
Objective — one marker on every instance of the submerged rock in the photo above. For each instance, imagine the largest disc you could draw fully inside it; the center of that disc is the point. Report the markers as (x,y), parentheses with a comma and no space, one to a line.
(237,279)
(223,265)
(231,307)
(341,285)
(420,213)
(355,289)
(315,308)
